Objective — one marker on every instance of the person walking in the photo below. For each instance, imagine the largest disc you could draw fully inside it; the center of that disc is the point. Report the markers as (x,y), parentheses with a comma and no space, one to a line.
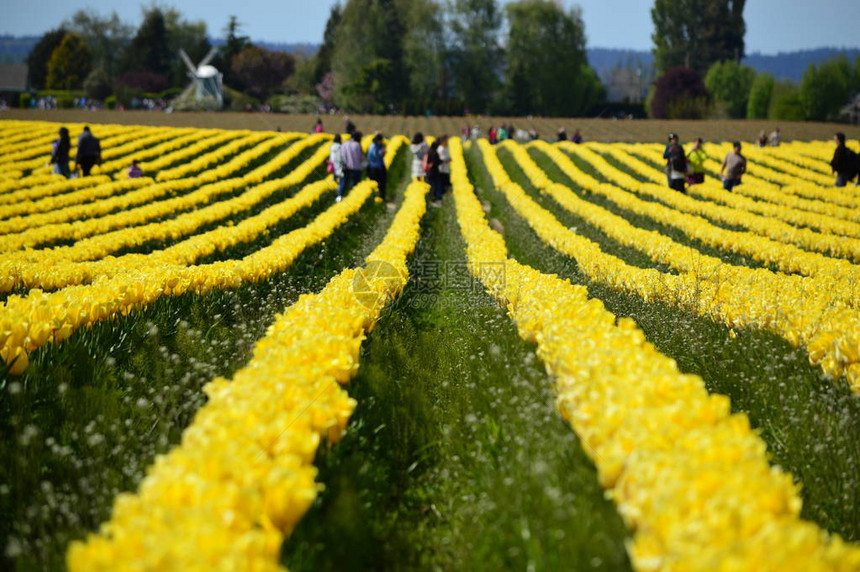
(318,126)
(376,164)
(444,163)
(60,153)
(696,163)
(676,164)
(419,150)
(349,126)
(734,166)
(433,175)
(353,161)
(89,152)
(335,160)
(844,162)
(775,138)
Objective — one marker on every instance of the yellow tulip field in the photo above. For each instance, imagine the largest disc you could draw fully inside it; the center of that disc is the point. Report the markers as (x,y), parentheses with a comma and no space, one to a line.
(564,365)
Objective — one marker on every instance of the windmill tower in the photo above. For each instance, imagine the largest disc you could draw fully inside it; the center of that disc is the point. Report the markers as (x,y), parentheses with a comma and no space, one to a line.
(205,79)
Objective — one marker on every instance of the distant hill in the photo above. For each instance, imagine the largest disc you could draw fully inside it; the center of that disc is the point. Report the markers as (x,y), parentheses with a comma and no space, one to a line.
(783,65)
(791,65)
(14,49)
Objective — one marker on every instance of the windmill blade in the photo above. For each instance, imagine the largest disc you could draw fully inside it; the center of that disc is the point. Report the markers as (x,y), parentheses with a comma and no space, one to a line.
(186,91)
(209,56)
(191,67)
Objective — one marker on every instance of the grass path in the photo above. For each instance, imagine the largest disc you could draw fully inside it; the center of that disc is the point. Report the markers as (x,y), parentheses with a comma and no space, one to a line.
(455,457)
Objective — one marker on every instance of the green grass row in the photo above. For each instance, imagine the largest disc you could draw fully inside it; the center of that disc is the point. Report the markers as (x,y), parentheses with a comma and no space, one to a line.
(456,457)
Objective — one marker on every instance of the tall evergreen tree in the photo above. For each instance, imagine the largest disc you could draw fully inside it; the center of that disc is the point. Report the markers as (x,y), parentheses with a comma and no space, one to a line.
(546,65)
(697,33)
(40,55)
(475,50)
(233,45)
(323,57)
(368,58)
(148,50)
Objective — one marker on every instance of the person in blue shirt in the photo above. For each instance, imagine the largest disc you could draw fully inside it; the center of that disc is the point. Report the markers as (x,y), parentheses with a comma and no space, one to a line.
(376,164)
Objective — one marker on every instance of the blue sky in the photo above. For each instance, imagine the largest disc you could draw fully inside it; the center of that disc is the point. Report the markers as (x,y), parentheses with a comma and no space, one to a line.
(772,25)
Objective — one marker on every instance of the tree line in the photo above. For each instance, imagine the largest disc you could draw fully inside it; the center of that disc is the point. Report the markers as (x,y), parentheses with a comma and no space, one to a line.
(450,57)
(411,56)
(698,48)
(105,57)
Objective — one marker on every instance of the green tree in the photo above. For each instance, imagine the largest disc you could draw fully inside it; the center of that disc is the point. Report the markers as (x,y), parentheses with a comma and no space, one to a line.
(148,50)
(423,48)
(40,55)
(105,37)
(825,88)
(234,43)
(697,33)
(546,65)
(368,45)
(69,64)
(761,94)
(262,71)
(785,103)
(730,84)
(475,53)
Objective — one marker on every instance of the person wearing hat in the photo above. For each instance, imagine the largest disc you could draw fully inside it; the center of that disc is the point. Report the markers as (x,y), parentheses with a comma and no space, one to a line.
(676,164)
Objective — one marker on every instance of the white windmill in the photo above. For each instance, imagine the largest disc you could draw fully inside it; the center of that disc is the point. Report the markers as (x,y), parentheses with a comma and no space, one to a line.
(205,79)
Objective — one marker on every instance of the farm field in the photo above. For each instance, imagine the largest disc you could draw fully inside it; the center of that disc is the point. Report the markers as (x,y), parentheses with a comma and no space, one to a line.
(603,130)
(566,365)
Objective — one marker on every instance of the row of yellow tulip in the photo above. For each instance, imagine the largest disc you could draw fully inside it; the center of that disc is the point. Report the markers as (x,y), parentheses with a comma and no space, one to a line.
(793,308)
(37,164)
(34,147)
(794,152)
(61,272)
(737,209)
(785,257)
(229,494)
(97,187)
(53,226)
(799,196)
(156,145)
(818,199)
(202,162)
(690,479)
(779,162)
(834,282)
(39,318)
(47,187)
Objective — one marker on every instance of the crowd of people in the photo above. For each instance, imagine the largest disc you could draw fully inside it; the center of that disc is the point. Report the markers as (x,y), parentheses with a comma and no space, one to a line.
(685,169)
(431,163)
